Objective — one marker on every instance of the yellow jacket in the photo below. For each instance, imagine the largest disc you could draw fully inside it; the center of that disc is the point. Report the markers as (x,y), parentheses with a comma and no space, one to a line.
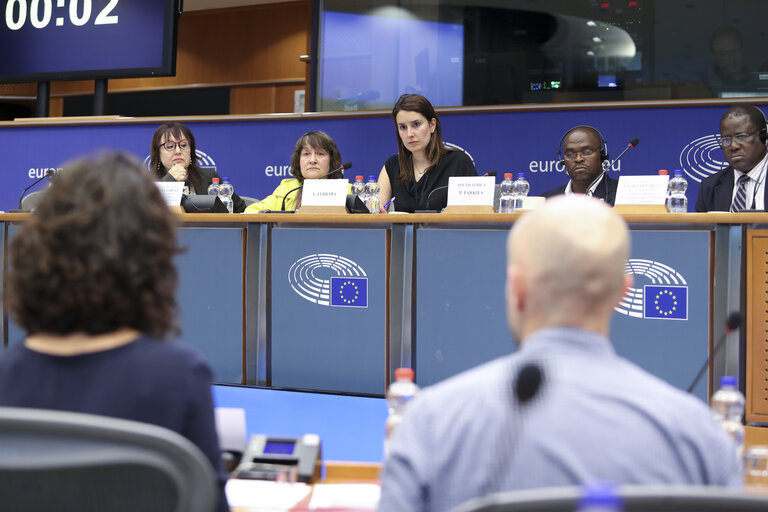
(275,200)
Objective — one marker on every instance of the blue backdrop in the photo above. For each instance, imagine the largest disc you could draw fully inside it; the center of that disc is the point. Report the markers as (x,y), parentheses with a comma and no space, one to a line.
(255,152)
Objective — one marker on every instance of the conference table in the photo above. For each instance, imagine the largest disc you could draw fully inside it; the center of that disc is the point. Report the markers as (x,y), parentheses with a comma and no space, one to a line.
(335,303)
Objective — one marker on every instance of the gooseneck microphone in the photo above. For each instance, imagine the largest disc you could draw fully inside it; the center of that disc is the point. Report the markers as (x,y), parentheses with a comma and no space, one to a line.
(528,382)
(632,143)
(731,324)
(345,165)
(47,174)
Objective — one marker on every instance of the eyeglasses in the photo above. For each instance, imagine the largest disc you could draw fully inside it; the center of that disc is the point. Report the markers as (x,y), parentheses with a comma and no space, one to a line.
(571,155)
(171,146)
(740,139)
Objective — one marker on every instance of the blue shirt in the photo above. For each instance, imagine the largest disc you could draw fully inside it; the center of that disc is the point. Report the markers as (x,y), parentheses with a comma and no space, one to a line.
(595,417)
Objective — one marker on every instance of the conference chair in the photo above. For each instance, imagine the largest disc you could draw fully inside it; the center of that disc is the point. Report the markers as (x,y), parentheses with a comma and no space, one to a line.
(656,498)
(65,461)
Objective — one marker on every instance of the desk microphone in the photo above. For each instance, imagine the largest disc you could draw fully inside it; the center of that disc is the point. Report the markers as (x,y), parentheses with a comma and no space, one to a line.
(345,165)
(731,324)
(632,143)
(528,382)
(47,174)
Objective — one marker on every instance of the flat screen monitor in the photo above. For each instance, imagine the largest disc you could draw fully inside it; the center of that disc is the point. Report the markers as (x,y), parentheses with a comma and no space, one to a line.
(87,39)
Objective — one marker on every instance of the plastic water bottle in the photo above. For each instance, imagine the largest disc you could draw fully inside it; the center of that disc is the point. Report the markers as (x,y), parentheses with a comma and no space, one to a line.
(599,497)
(213,188)
(398,394)
(676,201)
(225,194)
(520,188)
(358,186)
(506,201)
(727,409)
(371,192)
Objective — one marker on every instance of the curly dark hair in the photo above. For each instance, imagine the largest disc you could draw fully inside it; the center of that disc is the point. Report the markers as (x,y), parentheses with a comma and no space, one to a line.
(96,255)
(316,140)
(179,132)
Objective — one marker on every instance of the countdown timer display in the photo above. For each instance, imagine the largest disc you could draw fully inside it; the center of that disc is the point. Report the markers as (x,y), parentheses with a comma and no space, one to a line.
(86,39)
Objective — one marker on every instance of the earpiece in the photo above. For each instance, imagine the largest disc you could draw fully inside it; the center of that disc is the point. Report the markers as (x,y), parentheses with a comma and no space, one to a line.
(603,143)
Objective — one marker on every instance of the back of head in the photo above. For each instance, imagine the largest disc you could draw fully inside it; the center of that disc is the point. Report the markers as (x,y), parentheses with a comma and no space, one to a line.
(97,253)
(571,254)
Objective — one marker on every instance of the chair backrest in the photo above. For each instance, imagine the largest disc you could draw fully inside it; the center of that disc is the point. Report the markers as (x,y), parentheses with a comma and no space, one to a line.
(29,201)
(55,460)
(638,498)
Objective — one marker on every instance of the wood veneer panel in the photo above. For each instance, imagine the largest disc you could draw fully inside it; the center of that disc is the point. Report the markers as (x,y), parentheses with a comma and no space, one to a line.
(757,326)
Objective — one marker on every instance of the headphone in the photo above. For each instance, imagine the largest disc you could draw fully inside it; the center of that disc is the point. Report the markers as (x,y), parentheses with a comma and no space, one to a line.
(764,131)
(603,144)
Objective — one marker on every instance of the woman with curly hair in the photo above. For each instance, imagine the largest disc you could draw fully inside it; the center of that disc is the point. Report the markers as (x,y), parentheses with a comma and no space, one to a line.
(92,281)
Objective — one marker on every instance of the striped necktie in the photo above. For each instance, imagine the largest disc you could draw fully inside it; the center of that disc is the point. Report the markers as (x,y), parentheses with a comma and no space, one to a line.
(740,201)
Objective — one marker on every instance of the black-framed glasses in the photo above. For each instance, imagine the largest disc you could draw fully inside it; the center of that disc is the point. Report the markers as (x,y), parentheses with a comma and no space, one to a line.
(740,138)
(171,146)
(586,152)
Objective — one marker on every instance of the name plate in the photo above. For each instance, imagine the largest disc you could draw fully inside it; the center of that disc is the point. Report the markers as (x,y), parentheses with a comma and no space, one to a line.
(324,193)
(471,190)
(642,190)
(171,191)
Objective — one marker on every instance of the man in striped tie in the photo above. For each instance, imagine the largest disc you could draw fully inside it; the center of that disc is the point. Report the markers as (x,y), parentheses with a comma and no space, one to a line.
(741,185)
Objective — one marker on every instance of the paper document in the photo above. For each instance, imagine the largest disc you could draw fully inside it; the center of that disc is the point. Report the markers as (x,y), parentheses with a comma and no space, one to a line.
(264,495)
(345,496)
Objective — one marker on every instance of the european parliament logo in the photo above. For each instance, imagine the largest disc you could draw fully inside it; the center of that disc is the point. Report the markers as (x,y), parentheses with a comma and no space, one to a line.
(702,157)
(666,298)
(329,280)
(670,302)
(351,292)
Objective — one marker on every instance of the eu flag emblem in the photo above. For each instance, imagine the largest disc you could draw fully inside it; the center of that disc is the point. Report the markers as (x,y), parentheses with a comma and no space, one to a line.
(349,292)
(670,302)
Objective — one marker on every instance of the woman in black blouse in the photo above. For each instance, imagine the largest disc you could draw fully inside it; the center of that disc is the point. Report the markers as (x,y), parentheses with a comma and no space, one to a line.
(417,176)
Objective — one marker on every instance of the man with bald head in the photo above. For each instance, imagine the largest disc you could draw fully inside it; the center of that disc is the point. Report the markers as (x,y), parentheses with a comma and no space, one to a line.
(741,185)
(583,154)
(564,409)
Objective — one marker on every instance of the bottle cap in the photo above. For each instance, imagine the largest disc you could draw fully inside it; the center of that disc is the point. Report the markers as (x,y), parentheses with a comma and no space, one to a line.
(215,180)
(358,177)
(663,172)
(371,177)
(404,374)
(728,381)
(678,172)
(508,175)
(602,494)
(226,180)
(521,175)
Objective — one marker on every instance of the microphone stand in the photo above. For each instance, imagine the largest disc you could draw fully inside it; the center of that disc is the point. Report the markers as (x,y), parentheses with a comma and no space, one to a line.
(23,192)
(631,144)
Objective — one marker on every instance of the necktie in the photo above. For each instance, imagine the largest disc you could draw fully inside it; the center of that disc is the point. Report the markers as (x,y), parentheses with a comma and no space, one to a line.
(740,201)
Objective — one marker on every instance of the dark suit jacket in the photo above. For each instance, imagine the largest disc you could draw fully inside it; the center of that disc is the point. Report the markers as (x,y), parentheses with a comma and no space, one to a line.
(716,193)
(238,205)
(606,190)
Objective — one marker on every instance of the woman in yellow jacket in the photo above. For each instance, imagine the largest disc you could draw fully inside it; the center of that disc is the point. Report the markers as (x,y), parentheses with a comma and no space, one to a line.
(315,155)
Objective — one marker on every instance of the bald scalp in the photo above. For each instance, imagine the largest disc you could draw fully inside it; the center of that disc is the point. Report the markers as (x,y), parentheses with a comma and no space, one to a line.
(571,255)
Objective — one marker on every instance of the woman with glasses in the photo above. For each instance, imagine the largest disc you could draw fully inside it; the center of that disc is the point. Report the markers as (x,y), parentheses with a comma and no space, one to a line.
(315,155)
(417,176)
(171,158)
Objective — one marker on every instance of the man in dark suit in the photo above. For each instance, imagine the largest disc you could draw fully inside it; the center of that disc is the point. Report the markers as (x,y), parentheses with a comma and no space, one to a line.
(583,153)
(741,185)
